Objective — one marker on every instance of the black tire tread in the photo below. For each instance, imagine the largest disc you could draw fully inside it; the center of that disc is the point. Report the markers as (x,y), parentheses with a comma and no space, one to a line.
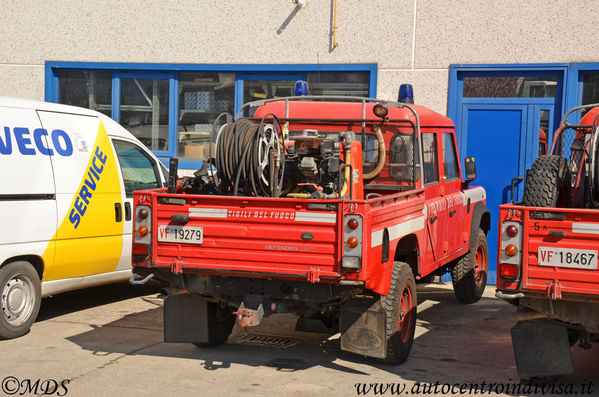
(462,274)
(397,352)
(544,181)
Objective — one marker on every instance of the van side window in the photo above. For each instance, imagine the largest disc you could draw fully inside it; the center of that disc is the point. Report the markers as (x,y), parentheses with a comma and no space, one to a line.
(450,159)
(138,170)
(431,159)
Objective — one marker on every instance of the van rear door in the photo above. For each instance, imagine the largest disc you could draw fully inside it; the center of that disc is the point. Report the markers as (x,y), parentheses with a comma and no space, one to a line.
(89,237)
(27,193)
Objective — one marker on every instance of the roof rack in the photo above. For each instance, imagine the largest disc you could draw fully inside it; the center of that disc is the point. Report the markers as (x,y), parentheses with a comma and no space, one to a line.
(322,98)
(357,99)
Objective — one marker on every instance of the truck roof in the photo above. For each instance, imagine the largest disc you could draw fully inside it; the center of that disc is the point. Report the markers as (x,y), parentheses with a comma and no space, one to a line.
(351,110)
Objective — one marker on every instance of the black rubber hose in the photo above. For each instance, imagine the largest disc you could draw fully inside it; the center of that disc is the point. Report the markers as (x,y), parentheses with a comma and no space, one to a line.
(239,148)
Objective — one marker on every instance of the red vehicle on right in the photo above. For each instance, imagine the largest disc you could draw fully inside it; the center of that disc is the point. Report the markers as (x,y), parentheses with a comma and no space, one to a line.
(548,250)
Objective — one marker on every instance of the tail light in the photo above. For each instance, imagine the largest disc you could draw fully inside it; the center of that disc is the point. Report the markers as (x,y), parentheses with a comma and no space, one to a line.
(142,233)
(353,223)
(511,231)
(352,247)
(510,259)
(509,271)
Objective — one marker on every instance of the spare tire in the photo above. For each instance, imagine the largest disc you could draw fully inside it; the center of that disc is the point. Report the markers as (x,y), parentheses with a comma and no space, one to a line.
(547,183)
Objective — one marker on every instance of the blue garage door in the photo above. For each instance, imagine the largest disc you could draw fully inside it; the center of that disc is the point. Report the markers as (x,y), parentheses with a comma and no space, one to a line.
(504,119)
(505,139)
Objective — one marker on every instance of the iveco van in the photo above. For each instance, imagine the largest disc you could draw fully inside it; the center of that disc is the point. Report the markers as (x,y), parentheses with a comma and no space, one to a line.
(67,176)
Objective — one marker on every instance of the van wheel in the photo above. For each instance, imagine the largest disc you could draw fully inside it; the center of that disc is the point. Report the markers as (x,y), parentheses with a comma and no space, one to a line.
(469,275)
(547,183)
(220,324)
(399,306)
(20,298)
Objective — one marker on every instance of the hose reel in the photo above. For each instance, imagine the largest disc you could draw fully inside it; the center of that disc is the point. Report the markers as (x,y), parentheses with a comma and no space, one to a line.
(250,158)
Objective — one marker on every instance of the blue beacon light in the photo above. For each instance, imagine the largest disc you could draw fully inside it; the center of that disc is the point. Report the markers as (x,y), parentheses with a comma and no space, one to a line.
(406,93)
(301,88)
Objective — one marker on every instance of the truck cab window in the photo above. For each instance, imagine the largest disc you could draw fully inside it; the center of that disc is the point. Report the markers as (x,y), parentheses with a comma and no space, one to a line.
(138,170)
(450,159)
(430,158)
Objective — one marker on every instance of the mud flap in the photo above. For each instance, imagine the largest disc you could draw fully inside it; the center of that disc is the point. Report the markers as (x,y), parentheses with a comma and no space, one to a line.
(362,325)
(541,348)
(186,319)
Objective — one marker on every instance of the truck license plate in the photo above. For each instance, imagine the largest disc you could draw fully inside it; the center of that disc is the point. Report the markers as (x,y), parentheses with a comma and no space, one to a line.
(568,257)
(181,234)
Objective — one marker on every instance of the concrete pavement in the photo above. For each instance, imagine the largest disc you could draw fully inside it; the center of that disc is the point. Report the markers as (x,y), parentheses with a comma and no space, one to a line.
(108,341)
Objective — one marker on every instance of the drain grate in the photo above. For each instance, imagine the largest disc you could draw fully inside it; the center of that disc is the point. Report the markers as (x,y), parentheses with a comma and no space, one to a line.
(279,342)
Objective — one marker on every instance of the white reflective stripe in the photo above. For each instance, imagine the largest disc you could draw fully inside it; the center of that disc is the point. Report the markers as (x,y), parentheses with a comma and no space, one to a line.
(585,228)
(397,231)
(315,217)
(208,212)
(475,194)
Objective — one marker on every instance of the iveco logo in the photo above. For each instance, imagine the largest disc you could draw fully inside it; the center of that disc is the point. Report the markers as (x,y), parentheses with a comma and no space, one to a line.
(26,142)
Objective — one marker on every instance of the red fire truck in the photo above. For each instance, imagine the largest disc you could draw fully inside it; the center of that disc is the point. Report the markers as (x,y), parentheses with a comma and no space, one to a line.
(547,262)
(327,207)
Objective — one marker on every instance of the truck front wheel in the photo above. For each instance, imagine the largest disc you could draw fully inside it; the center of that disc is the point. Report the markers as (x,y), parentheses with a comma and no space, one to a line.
(20,299)
(399,306)
(469,275)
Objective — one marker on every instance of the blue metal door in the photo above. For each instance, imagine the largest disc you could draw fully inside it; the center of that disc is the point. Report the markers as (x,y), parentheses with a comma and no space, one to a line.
(503,135)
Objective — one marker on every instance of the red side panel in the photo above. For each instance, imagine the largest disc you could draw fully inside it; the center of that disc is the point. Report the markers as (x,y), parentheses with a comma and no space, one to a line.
(398,217)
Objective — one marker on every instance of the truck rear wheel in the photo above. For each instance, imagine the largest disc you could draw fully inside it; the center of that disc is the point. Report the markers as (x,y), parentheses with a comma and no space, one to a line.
(469,275)
(20,298)
(220,324)
(547,183)
(399,306)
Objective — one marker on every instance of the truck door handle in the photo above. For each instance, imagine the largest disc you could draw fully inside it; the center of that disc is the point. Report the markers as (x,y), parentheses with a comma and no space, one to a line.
(433,219)
(118,212)
(451,213)
(127,211)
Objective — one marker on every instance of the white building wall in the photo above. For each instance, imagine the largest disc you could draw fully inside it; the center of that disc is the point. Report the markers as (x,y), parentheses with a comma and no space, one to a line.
(412,41)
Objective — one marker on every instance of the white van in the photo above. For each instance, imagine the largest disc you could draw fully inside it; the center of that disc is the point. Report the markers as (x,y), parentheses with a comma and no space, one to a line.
(66,180)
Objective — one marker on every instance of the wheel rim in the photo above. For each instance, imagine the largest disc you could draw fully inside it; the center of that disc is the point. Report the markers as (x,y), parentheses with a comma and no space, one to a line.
(405,314)
(17,299)
(480,264)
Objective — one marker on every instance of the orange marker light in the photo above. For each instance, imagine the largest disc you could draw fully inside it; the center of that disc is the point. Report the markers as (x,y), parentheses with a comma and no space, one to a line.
(352,242)
(511,250)
(142,231)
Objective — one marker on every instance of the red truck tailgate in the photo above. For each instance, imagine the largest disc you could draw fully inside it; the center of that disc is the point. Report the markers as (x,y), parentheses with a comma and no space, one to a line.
(285,237)
(562,251)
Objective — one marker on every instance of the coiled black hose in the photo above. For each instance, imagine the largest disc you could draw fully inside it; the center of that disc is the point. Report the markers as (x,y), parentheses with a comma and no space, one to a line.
(250,157)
